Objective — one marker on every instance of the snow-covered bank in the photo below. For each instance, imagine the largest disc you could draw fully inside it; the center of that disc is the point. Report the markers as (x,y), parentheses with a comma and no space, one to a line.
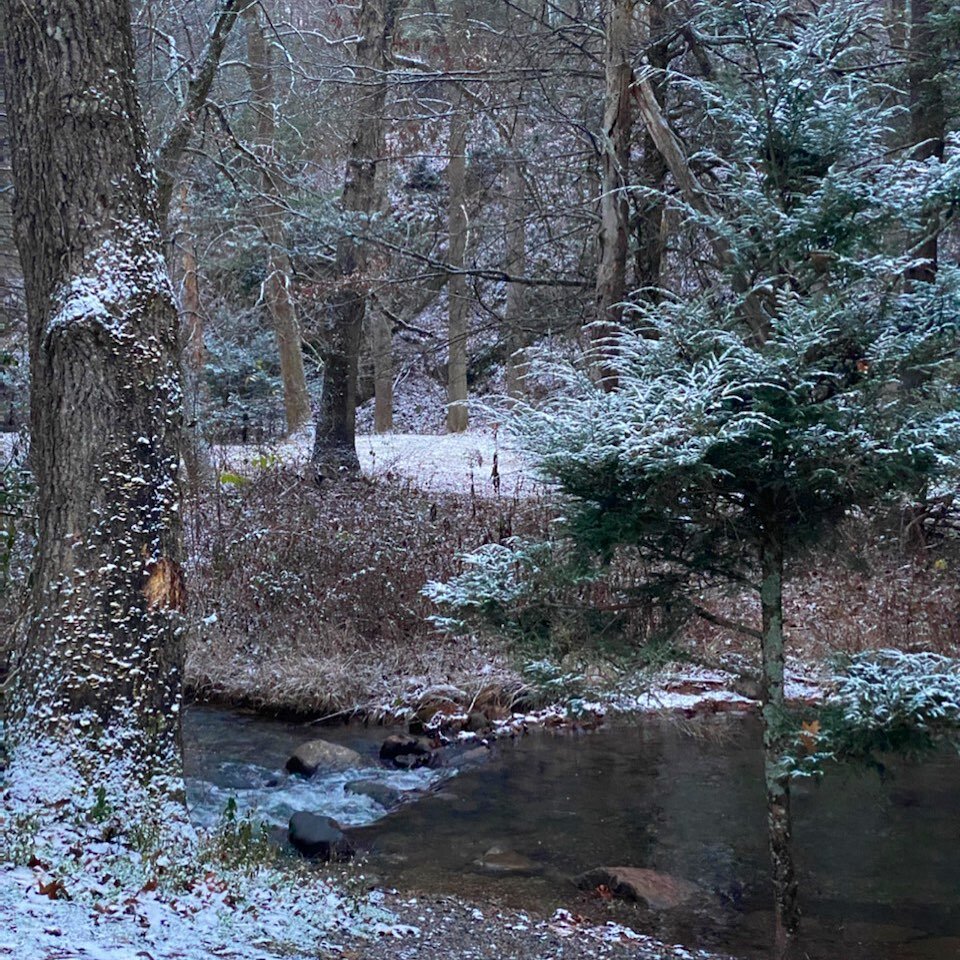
(98,913)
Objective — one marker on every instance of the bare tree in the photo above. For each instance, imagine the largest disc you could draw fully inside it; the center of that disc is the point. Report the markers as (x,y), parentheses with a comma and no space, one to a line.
(276,287)
(459,302)
(177,138)
(335,448)
(615,166)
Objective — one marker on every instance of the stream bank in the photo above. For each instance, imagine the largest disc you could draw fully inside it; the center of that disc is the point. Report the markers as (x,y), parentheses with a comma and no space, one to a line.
(876,856)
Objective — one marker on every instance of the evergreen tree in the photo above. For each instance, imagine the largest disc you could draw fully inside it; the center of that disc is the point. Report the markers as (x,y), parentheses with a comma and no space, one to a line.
(751,417)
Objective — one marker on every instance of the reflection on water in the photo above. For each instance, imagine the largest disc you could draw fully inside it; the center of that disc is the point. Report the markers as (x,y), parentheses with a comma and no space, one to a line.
(878,860)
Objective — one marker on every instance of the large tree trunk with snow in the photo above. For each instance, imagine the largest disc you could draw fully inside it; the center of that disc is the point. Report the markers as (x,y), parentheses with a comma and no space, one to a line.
(779,826)
(269,211)
(99,672)
(614,179)
(335,451)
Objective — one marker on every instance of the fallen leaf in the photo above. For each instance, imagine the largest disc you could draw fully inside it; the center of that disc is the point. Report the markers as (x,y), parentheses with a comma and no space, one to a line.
(808,735)
(55,890)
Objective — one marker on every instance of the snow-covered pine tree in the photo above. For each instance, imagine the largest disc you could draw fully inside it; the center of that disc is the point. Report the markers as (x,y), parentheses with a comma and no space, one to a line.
(806,379)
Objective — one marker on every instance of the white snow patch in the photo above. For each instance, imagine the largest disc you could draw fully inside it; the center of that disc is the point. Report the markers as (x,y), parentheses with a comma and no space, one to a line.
(477,460)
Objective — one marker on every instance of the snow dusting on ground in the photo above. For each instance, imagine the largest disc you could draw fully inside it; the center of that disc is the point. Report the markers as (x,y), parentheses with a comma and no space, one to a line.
(477,461)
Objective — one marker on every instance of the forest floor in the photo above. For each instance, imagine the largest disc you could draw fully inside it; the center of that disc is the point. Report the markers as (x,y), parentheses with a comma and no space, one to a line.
(478,461)
(451,929)
(311,602)
(314,605)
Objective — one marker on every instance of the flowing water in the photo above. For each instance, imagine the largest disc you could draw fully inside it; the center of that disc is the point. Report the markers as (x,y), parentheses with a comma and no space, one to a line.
(878,856)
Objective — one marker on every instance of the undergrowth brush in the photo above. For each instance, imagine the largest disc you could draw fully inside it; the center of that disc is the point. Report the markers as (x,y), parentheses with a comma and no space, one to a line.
(311,601)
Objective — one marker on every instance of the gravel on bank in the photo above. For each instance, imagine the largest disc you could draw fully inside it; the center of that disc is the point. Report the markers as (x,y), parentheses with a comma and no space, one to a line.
(446,928)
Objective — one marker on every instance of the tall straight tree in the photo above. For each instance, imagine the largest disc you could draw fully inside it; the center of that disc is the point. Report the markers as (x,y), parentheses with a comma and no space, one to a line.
(276,287)
(459,304)
(335,448)
(615,164)
(97,680)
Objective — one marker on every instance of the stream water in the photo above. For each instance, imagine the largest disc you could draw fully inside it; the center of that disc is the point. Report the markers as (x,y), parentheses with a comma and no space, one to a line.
(878,857)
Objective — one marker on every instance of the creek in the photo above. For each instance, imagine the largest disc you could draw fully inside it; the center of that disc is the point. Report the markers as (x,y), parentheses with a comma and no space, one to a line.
(878,855)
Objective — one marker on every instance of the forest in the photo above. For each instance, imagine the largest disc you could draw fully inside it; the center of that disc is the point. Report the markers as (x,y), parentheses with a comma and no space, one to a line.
(479,479)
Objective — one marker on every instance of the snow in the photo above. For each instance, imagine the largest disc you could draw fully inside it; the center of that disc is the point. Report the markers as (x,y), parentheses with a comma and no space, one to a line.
(229,915)
(443,463)
(75,884)
(128,268)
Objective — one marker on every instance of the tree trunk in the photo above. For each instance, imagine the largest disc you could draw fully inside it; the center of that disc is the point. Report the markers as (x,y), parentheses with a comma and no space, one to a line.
(695,197)
(459,302)
(99,674)
(614,180)
(335,446)
(927,119)
(269,212)
(382,344)
(193,358)
(515,243)
(786,908)
(653,168)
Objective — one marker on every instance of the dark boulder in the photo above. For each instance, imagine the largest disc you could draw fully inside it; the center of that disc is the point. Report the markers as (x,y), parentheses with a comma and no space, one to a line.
(477,722)
(388,797)
(407,753)
(319,838)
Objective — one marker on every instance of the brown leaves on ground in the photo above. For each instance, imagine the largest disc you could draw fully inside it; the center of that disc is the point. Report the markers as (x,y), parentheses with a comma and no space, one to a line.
(809,732)
(54,889)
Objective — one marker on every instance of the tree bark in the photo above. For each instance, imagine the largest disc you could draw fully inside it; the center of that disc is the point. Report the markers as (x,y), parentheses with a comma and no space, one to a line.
(652,168)
(269,212)
(382,345)
(927,119)
(335,446)
(779,826)
(100,671)
(614,180)
(458,316)
(515,264)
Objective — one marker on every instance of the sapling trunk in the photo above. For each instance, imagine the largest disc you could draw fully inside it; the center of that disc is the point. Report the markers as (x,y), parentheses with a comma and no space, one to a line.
(777,784)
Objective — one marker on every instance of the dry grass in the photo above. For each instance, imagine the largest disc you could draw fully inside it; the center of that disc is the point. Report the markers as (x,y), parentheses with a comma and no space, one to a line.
(309,601)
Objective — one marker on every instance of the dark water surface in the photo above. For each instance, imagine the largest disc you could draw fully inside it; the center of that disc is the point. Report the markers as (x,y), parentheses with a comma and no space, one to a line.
(878,859)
